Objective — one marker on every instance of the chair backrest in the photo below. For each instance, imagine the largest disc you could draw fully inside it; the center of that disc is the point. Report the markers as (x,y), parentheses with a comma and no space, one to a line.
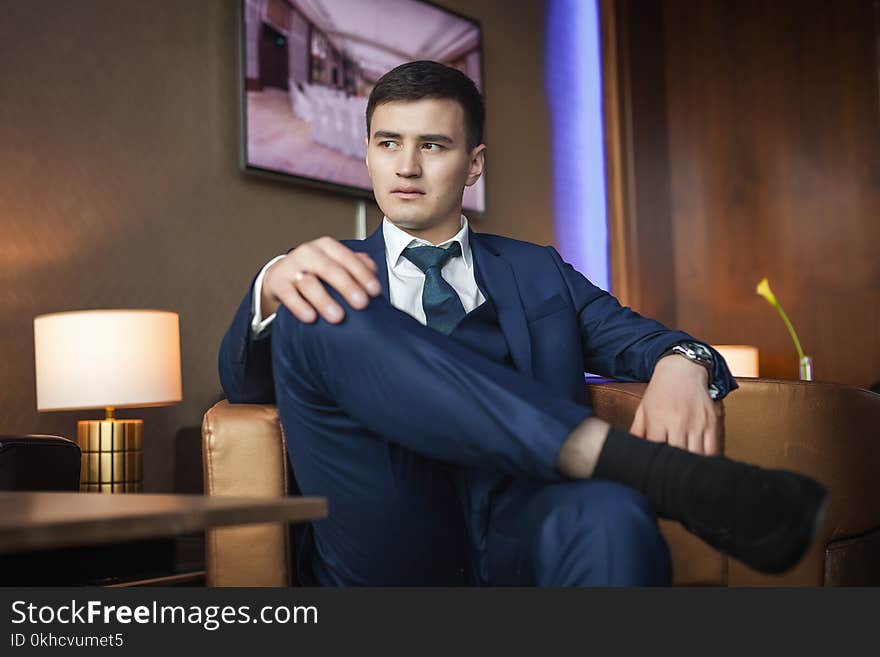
(39,463)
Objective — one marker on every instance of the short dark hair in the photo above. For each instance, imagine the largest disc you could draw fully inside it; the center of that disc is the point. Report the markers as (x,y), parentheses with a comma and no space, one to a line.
(427,79)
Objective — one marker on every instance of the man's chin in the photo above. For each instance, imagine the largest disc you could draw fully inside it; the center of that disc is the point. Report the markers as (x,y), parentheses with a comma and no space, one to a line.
(407,217)
(411,223)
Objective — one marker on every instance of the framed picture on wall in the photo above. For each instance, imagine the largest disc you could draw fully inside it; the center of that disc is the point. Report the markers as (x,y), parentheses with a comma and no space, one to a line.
(308,66)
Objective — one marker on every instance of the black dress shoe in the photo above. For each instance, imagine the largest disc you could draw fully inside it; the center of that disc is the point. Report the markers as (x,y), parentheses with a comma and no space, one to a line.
(767,519)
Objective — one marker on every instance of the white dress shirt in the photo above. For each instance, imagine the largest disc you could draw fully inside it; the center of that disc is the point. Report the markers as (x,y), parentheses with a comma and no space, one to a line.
(405,280)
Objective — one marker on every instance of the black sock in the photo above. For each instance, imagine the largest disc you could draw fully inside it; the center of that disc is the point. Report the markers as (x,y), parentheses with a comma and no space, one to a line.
(681,485)
(656,470)
(766,518)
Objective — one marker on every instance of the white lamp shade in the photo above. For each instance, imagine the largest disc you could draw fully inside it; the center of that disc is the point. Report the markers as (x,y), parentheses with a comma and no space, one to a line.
(100,358)
(742,359)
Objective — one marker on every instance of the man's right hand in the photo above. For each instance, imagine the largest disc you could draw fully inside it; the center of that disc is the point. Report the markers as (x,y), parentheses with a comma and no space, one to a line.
(296,281)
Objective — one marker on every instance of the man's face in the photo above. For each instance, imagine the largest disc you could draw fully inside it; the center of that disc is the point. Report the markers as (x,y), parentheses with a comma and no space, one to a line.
(419,163)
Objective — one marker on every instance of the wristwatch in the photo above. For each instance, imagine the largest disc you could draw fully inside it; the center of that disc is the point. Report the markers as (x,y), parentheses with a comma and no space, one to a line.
(699,354)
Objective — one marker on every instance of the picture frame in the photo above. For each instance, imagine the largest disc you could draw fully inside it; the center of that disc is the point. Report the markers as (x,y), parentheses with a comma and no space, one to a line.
(306,68)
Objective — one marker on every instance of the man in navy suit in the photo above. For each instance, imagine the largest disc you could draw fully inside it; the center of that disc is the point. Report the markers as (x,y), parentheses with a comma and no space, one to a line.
(430,383)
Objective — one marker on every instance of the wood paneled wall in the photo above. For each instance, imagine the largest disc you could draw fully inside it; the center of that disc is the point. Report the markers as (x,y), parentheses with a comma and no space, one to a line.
(768,137)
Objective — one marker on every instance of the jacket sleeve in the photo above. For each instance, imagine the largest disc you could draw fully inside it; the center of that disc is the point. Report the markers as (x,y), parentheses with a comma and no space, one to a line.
(620,343)
(245,362)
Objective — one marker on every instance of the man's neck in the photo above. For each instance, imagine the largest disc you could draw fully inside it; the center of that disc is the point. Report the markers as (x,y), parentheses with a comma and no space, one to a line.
(435,234)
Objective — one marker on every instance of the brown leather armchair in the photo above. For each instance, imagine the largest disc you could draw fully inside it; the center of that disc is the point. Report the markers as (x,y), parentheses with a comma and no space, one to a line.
(828,431)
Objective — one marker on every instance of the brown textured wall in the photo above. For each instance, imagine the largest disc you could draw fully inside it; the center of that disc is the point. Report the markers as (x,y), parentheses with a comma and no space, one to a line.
(120,187)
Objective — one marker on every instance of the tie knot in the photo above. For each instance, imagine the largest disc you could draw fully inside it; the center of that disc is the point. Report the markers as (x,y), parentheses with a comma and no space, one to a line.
(425,257)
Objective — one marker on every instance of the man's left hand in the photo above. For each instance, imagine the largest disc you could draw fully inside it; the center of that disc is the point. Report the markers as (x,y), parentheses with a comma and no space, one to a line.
(676,408)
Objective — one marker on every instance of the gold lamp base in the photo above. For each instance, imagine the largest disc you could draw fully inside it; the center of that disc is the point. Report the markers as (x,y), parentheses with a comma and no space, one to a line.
(112,460)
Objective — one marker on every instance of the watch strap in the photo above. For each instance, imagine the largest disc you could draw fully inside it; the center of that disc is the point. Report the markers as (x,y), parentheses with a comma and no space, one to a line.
(699,354)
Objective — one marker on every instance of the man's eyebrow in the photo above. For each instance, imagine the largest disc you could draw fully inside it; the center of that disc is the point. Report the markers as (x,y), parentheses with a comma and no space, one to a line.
(384,134)
(442,138)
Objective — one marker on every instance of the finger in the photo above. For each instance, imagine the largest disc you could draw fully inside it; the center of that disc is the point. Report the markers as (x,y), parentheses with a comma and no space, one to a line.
(711,446)
(718,421)
(315,294)
(656,426)
(354,265)
(337,277)
(711,437)
(677,437)
(655,431)
(298,306)
(368,260)
(638,425)
(695,443)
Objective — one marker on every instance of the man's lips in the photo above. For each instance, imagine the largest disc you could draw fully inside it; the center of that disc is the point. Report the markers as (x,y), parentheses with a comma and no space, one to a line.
(407,192)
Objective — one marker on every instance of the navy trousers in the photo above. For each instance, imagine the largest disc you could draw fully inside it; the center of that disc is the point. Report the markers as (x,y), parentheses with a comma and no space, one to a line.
(439,465)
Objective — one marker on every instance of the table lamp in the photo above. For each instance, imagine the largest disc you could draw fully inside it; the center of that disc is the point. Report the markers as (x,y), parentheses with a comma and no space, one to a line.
(108,359)
(742,359)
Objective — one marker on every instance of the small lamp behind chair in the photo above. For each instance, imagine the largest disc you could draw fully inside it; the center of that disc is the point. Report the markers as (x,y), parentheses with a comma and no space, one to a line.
(742,359)
(108,359)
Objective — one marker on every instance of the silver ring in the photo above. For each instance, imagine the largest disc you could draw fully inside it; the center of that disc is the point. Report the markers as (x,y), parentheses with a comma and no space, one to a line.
(300,275)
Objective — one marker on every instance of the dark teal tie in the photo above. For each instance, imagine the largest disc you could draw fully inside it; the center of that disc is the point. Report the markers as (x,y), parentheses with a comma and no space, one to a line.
(443,309)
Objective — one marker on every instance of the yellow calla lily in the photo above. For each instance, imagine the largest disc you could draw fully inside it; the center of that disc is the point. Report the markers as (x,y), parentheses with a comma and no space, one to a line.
(764,290)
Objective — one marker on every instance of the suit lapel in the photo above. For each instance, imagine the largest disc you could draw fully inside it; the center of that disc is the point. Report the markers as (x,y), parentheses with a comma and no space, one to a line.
(496,279)
(374,245)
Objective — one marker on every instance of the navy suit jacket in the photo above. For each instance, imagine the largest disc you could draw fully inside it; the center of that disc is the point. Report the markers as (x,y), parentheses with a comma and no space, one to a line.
(557,324)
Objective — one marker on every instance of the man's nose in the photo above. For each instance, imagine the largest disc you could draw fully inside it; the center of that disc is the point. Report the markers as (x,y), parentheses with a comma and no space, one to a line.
(409,164)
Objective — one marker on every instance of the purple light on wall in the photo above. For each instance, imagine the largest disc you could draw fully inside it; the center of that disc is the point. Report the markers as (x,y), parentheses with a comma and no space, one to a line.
(573,79)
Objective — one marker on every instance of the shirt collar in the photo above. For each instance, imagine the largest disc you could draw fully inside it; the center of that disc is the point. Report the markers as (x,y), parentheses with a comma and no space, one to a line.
(397,239)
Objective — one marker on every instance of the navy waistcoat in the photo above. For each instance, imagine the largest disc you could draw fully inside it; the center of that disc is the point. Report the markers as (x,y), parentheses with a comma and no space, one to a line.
(481,332)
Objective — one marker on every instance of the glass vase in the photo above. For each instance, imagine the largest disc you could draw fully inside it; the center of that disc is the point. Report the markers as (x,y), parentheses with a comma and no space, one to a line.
(806,368)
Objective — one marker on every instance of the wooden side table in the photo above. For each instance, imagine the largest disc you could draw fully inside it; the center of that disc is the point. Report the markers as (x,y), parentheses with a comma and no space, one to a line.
(123,540)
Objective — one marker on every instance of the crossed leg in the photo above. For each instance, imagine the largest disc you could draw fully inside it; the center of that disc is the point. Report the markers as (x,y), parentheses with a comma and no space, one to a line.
(575,533)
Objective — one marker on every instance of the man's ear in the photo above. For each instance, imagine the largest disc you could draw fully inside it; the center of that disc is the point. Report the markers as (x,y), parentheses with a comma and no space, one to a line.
(367,157)
(477,164)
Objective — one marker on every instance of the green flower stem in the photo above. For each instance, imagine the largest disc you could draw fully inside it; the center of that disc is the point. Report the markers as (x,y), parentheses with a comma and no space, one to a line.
(797,343)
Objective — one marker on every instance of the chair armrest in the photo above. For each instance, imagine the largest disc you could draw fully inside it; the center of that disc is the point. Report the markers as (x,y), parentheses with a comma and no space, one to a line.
(39,463)
(243,454)
(243,451)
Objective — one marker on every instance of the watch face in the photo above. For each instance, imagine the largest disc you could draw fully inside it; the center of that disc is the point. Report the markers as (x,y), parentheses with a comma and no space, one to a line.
(697,352)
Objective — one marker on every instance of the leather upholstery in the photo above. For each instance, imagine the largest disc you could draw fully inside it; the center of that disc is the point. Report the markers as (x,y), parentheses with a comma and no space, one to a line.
(825,430)
(830,432)
(39,463)
(244,454)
